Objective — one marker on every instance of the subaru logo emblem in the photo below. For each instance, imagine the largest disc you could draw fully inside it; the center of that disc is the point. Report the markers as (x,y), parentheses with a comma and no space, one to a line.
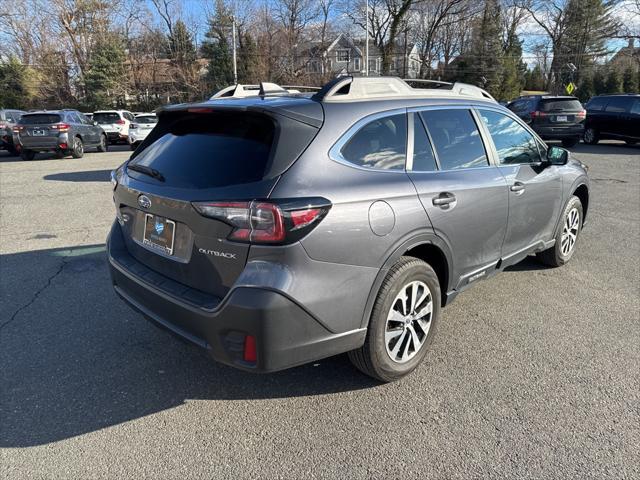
(144,201)
(159,227)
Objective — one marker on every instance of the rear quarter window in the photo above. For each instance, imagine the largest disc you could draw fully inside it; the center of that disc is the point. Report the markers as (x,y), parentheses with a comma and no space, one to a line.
(597,104)
(206,151)
(146,119)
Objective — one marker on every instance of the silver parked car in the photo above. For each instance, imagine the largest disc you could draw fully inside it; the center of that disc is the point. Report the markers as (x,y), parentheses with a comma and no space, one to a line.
(140,127)
(277,229)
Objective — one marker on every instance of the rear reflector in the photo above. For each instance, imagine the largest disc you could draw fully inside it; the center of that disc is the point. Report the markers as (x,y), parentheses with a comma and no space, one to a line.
(63,145)
(250,350)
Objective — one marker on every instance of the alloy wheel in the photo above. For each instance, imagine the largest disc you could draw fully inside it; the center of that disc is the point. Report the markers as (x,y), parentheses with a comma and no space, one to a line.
(570,231)
(408,322)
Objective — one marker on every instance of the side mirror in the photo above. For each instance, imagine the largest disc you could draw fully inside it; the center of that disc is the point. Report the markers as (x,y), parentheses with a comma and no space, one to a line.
(557,156)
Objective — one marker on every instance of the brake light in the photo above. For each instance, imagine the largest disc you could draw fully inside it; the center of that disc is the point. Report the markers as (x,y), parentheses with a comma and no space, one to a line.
(120,122)
(60,127)
(3,125)
(266,222)
(18,129)
(538,114)
(133,126)
(582,114)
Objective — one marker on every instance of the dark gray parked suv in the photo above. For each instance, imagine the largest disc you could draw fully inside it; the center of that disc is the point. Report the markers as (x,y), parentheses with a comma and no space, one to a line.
(281,228)
(64,132)
(8,119)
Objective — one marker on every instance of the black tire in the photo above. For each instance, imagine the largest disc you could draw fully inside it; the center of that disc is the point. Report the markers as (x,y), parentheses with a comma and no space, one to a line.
(27,154)
(591,136)
(59,154)
(77,150)
(12,151)
(630,142)
(103,146)
(372,358)
(554,256)
(570,142)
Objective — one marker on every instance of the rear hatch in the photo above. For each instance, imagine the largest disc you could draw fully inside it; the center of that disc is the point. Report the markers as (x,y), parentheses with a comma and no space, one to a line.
(109,121)
(204,154)
(143,124)
(559,112)
(39,129)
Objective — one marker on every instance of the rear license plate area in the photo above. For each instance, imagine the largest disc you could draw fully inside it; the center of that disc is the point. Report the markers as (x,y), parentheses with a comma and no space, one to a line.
(561,118)
(38,133)
(159,233)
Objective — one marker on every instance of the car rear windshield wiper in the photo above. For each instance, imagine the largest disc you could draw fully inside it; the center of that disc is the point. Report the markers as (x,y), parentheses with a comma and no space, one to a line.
(152,172)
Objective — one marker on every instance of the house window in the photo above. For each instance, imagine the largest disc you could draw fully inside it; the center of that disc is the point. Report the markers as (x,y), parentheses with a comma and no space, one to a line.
(342,55)
(373,64)
(356,64)
(314,66)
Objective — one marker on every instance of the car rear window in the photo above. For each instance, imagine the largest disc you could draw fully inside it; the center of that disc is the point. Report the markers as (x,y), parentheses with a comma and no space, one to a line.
(560,105)
(106,117)
(206,151)
(147,119)
(39,119)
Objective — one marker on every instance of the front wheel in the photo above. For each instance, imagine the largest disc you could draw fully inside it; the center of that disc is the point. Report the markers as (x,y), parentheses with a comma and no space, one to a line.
(567,236)
(27,154)
(102,146)
(570,142)
(78,148)
(403,322)
(591,136)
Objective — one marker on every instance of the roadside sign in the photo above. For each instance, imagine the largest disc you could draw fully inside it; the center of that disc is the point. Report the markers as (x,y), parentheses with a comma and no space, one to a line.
(570,88)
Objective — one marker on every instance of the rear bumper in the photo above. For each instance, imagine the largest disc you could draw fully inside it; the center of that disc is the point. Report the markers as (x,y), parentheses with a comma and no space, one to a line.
(559,133)
(286,334)
(44,144)
(116,136)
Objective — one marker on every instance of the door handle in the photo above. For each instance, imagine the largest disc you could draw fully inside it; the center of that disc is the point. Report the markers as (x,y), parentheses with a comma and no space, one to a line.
(444,199)
(517,188)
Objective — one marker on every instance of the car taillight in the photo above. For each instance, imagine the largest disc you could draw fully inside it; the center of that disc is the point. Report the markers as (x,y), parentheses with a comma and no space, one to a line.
(120,122)
(538,114)
(18,129)
(582,114)
(266,221)
(60,127)
(133,126)
(3,125)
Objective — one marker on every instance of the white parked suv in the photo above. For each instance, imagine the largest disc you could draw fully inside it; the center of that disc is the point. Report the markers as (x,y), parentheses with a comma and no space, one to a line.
(115,123)
(141,126)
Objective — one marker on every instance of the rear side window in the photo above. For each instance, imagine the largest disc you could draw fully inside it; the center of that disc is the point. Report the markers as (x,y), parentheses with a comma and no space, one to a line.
(618,104)
(423,158)
(147,119)
(635,108)
(560,105)
(102,118)
(597,103)
(380,144)
(201,151)
(514,144)
(40,119)
(455,138)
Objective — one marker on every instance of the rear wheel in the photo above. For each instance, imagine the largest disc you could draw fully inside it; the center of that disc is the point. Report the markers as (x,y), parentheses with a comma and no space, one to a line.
(570,142)
(402,323)
(591,136)
(102,146)
(77,151)
(59,153)
(567,236)
(27,154)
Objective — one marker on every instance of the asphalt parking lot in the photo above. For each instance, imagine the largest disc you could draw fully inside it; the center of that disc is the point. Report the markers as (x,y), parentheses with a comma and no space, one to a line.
(533,374)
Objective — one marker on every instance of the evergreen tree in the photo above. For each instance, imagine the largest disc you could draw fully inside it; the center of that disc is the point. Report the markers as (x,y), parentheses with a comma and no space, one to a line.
(533,79)
(599,82)
(105,77)
(630,81)
(17,84)
(614,81)
(586,87)
(217,49)
(183,58)
(248,68)
(513,69)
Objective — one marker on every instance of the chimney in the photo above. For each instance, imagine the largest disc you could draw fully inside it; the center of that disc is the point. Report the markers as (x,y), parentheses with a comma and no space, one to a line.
(631,43)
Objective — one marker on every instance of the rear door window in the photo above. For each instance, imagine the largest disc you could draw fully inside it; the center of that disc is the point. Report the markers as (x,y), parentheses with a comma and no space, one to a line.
(560,105)
(40,119)
(200,151)
(456,138)
(423,158)
(380,144)
(104,118)
(618,104)
(513,142)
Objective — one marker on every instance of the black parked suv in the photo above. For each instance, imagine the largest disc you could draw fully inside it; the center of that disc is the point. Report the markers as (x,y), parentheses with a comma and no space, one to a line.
(64,132)
(615,117)
(552,117)
(8,119)
(281,228)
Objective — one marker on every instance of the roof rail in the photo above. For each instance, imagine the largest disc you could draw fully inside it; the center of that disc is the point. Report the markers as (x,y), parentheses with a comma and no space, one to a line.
(264,88)
(347,88)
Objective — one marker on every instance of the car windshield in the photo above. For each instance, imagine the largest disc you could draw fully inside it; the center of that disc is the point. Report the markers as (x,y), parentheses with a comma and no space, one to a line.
(40,119)
(106,117)
(147,119)
(560,105)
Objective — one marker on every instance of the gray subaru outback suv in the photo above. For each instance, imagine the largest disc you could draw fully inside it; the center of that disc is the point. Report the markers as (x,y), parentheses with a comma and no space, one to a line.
(279,228)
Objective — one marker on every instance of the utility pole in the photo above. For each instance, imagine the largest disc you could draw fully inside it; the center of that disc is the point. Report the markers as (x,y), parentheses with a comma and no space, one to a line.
(235,62)
(366,47)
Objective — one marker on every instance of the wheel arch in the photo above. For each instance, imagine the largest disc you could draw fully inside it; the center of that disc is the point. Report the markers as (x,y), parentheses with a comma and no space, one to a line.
(582,192)
(427,247)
